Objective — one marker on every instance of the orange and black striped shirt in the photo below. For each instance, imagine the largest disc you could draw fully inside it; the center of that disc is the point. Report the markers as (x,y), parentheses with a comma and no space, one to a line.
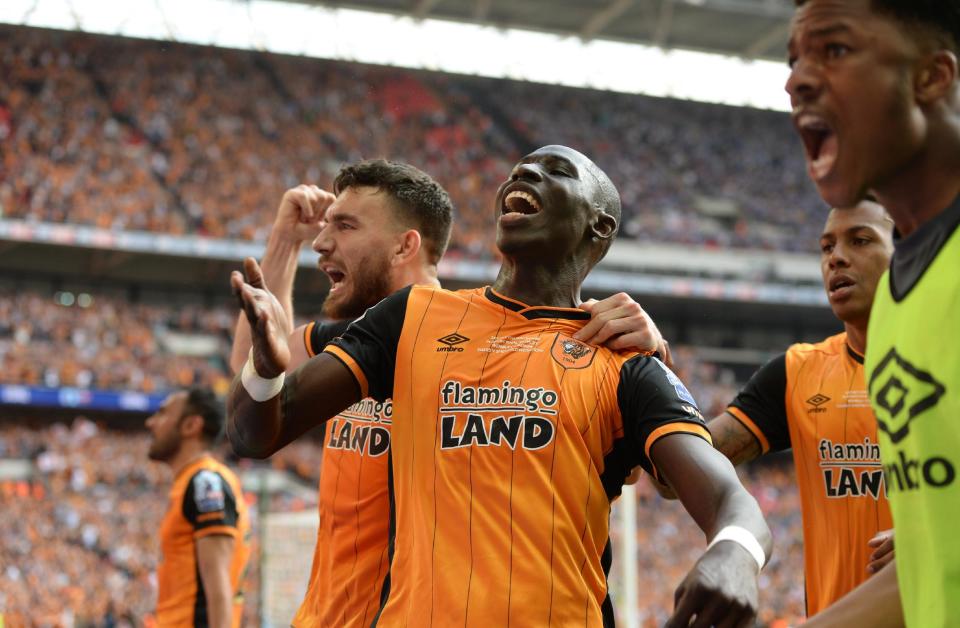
(813,398)
(510,440)
(205,499)
(351,558)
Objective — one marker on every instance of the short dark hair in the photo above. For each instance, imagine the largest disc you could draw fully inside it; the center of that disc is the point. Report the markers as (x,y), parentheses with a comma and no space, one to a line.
(423,204)
(932,16)
(203,402)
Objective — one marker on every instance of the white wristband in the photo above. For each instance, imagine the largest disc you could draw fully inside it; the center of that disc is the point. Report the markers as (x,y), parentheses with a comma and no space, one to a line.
(259,388)
(745,539)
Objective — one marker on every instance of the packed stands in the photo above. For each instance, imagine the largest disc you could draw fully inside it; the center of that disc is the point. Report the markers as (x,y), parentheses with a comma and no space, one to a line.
(109,344)
(127,134)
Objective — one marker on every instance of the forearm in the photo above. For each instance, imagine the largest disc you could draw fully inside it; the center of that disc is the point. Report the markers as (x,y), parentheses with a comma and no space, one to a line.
(875,603)
(279,267)
(733,440)
(220,607)
(707,485)
(314,392)
(738,508)
(254,428)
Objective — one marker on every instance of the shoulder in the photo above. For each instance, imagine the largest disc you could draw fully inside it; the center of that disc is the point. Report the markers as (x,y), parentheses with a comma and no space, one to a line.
(827,348)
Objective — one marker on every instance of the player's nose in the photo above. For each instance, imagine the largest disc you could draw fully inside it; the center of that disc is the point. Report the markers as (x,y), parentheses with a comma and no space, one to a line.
(526,171)
(804,82)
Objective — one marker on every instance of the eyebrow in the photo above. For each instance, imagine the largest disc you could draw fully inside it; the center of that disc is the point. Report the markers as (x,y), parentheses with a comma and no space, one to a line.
(341,216)
(821,32)
(552,158)
(848,230)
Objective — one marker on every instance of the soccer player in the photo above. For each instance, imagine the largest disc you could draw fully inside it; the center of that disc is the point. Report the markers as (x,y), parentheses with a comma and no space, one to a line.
(384,227)
(511,437)
(874,89)
(813,399)
(204,536)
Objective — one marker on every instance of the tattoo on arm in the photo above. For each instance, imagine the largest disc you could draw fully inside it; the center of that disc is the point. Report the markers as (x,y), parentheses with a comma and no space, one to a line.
(733,439)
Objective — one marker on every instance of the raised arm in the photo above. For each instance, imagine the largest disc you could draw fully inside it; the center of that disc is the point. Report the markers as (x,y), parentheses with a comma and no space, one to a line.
(298,221)
(316,391)
(721,589)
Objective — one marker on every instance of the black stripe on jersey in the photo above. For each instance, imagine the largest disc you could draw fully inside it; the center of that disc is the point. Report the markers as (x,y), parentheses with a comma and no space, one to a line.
(532,313)
(853,354)
(391,539)
(606,608)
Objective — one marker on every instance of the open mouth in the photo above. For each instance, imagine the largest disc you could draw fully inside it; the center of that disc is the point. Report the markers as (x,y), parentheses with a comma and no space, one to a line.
(839,283)
(820,143)
(520,202)
(336,277)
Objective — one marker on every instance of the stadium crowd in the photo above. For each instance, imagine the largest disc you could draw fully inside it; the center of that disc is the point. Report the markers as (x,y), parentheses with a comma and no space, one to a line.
(80,544)
(112,344)
(128,134)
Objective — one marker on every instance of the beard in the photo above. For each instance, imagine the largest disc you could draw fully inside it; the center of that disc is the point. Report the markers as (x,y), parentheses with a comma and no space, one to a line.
(163,449)
(369,285)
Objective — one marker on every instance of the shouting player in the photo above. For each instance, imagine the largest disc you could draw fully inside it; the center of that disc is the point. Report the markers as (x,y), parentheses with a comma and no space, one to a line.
(204,537)
(510,437)
(384,227)
(813,399)
(874,89)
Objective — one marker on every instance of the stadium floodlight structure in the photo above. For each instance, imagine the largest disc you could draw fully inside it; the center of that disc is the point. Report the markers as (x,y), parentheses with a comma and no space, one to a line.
(431,44)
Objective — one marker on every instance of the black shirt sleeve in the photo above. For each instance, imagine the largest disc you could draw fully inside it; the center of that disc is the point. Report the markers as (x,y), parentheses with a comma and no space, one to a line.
(209,501)
(372,341)
(763,401)
(651,397)
(322,333)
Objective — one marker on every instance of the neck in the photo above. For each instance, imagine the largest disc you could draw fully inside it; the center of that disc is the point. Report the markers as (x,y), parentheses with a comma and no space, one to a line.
(929,184)
(417,274)
(189,453)
(537,283)
(857,336)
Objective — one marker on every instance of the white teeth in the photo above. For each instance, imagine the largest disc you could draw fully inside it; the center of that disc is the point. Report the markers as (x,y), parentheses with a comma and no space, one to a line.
(812,123)
(525,196)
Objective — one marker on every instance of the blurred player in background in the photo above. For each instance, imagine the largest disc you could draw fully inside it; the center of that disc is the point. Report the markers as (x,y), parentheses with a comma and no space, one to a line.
(502,513)
(204,536)
(813,399)
(384,227)
(874,89)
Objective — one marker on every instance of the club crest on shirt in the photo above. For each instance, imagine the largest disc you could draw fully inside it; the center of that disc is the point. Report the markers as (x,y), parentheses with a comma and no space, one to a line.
(570,353)
(208,493)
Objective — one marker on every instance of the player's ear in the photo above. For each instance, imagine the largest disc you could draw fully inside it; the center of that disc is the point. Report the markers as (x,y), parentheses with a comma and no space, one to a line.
(604,226)
(407,246)
(191,425)
(936,77)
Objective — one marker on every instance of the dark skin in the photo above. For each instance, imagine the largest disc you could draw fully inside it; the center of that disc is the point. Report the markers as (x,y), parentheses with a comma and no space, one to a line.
(550,237)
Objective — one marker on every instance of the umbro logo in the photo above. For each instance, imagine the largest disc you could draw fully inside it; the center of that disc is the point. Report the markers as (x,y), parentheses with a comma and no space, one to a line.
(816,401)
(901,393)
(450,342)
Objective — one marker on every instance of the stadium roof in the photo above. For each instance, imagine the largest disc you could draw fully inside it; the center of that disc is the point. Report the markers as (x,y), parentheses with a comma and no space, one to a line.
(433,35)
(745,28)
